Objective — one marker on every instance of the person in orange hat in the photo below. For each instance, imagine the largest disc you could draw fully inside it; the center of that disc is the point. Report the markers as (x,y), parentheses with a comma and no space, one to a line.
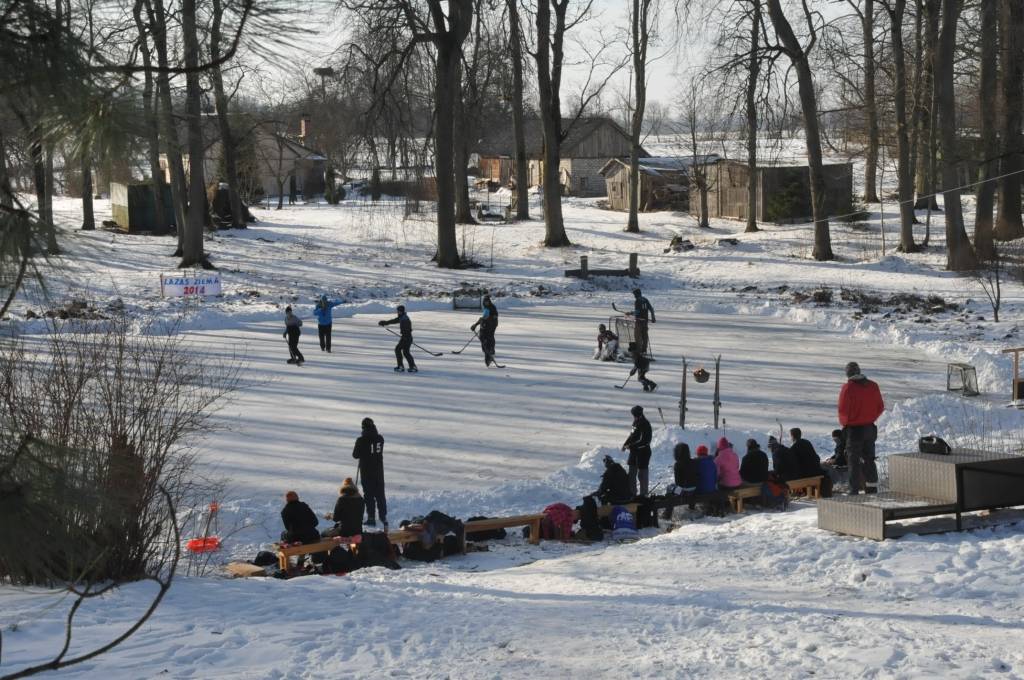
(348,511)
(299,521)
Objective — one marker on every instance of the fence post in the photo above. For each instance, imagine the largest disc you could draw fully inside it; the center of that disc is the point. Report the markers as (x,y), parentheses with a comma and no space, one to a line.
(584,267)
(634,270)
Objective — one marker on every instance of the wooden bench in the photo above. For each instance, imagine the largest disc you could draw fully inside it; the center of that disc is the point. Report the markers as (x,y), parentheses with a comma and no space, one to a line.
(287,551)
(737,496)
(491,523)
(809,486)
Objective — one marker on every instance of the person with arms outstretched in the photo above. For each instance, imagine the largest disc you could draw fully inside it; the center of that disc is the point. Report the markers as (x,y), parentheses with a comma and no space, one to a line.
(324,320)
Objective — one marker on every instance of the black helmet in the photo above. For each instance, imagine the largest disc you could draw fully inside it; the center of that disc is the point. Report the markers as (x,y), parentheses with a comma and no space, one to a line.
(600,327)
(401,308)
(637,411)
(368,424)
(636,292)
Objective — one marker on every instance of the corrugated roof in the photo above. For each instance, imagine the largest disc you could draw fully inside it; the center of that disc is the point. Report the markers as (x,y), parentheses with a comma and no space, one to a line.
(500,141)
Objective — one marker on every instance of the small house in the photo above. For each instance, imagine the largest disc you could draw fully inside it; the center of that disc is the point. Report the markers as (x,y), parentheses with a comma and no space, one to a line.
(783,191)
(663,182)
(133,208)
(584,152)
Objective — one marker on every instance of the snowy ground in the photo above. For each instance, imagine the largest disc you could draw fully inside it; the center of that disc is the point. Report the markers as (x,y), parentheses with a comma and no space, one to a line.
(751,596)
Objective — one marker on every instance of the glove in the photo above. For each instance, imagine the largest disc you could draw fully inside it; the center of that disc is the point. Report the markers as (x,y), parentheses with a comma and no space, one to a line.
(633,372)
(381,323)
(285,335)
(473,328)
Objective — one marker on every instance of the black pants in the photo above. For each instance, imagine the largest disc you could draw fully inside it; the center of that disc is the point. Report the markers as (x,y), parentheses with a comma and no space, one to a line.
(487,345)
(293,347)
(376,503)
(860,453)
(644,380)
(402,349)
(325,336)
(640,335)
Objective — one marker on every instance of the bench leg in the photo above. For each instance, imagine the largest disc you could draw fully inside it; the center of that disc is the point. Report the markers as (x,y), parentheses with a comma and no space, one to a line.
(535,532)
(282,563)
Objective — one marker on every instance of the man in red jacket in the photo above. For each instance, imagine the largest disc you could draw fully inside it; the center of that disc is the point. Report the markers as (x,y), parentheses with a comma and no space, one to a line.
(860,404)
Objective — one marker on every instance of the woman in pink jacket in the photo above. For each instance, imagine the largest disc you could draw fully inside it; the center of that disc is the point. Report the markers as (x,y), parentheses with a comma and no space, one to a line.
(728,465)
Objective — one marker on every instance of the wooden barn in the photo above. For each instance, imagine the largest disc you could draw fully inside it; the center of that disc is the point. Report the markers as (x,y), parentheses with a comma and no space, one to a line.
(586,150)
(663,182)
(783,191)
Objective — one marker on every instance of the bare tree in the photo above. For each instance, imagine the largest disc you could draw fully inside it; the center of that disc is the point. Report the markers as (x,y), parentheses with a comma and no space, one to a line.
(1008,220)
(959,252)
(642,14)
(228,143)
(866,17)
(798,56)
(983,222)
(521,163)
(905,180)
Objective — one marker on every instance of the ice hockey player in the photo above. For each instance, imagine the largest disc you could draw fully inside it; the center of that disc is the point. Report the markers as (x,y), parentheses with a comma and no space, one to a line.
(639,444)
(642,313)
(607,344)
(405,341)
(324,319)
(369,451)
(641,364)
(488,323)
(292,324)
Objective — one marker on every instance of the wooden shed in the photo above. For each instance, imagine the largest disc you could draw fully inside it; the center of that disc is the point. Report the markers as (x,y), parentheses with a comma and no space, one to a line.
(134,210)
(783,191)
(585,151)
(663,183)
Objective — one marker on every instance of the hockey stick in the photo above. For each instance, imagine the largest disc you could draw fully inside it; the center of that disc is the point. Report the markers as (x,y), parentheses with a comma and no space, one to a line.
(460,351)
(620,311)
(433,354)
(663,424)
(623,385)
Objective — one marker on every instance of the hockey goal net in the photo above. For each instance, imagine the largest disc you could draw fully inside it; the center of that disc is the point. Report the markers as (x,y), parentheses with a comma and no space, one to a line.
(625,328)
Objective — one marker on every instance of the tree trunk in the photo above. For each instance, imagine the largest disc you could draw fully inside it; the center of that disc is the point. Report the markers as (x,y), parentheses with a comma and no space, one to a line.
(927,116)
(463,210)
(549,75)
(915,131)
(639,35)
(88,216)
(753,75)
(51,235)
(447,73)
(192,244)
(172,143)
(959,254)
(703,189)
(228,143)
(809,106)
(6,190)
(1008,220)
(870,107)
(521,164)
(983,223)
(152,124)
(905,180)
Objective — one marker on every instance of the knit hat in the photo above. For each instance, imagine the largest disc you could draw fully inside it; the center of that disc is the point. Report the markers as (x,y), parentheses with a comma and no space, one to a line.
(637,410)
(367,424)
(291,496)
(401,309)
(288,309)
(852,369)
(702,450)
(347,486)
(752,443)
(609,461)
(723,443)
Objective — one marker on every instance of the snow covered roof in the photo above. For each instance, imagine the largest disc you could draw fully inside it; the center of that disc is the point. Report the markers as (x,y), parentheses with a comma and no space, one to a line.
(658,166)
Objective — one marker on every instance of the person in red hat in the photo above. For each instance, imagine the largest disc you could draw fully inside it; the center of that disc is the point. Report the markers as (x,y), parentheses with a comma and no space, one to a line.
(707,473)
(860,405)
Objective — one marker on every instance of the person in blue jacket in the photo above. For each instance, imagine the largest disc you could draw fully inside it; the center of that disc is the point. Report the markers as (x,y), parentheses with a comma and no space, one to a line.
(324,319)
(707,473)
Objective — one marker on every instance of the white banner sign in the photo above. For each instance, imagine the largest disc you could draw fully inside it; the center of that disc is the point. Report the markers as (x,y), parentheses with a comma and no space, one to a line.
(185,284)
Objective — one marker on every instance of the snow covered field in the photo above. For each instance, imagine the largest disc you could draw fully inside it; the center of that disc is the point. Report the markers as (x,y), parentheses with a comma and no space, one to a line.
(756,595)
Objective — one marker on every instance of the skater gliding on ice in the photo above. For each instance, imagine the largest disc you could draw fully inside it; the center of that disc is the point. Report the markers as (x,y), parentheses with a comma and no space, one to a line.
(324,319)
(292,326)
(641,365)
(607,344)
(404,342)
(369,451)
(488,323)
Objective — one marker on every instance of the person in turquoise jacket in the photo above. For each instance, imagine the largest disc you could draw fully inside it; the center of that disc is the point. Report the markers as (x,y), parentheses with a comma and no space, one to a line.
(324,319)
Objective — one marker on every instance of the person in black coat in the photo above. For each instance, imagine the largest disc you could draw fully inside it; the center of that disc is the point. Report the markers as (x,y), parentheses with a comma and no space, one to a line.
(808,463)
(488,323)
(641,364)
(643,313)
(348,511)
(838,459)
(299,521)
(754,468)
(639,444)
(783,460)
(615,487)
(369,451)
(404,346)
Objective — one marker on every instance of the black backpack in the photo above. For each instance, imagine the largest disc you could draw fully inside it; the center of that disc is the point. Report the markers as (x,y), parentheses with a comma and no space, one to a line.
(340,561)
(588,520)
(487,535)
(375,550)
(934,444)
(646,514)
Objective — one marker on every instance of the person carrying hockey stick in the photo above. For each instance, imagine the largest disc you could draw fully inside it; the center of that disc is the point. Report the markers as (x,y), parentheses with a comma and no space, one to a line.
(488,323)
(292,326)
(404,340)
(641,365)
(607,344)
(369,451)
(639,444)
(642,313)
